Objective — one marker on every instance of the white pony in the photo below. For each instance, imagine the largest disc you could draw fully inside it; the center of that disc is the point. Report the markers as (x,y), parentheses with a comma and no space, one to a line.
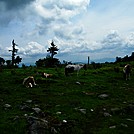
(71,68)
(127,71)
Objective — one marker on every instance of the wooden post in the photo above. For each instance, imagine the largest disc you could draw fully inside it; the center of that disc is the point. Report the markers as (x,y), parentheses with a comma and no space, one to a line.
(88,59)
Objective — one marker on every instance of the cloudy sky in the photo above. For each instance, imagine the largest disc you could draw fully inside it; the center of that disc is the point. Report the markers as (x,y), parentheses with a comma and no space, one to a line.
(101,29)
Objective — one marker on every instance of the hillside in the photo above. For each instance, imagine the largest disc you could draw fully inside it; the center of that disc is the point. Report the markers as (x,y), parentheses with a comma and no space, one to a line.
(98,101)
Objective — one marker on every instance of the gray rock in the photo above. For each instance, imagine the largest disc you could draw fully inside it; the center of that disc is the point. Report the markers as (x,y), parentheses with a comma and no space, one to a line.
(107,114)
(7,106)
(58,113)
(116,110)
(112,127)
(37,125)
(16,118)
(124,125)
(29,101)
(25,107)
(83,111)
(37,110)
(103,96)
(78,83)
(129,120)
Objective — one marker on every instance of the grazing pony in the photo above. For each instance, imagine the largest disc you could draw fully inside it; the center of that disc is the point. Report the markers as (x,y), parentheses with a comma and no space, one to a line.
(46,75)
(127,71)
(71,68)
(29,81)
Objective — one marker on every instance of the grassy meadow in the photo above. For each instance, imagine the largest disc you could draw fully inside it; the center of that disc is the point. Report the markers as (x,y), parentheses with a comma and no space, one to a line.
(98,101)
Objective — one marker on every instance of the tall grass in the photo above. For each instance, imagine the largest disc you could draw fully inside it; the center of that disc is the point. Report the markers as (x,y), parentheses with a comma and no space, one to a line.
(67,96)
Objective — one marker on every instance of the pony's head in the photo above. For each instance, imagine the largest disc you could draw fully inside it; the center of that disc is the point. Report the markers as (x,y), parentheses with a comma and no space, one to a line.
(85,67)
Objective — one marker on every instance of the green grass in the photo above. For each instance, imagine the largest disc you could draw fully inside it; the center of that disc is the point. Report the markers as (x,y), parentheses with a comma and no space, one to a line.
(65,95)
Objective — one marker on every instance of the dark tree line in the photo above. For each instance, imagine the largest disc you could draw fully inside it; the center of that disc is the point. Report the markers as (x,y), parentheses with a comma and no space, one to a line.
(49,61)
(15,59)
(125,58)
(2,61)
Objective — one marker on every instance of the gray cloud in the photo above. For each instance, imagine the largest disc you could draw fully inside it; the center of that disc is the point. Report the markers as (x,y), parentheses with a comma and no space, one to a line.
(11,10)
(14,4)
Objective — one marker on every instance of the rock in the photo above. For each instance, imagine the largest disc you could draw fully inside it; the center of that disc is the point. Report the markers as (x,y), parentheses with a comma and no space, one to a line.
(124,125)
(58,113)
(88,93)
(103,96)
(116,110)
(37,110)
(82,111)
(64,121)
(91,110)
(78,83)
(129,120)
(107,114)
(112,127)
(29,101)
(16,118)
(53,130)
(37,125)
(57,106)
(25,108)
(25,115)
(7,106)
(104,109)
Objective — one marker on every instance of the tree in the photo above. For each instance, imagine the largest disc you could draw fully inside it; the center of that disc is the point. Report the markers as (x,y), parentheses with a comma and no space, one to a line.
(2,61)
(14,51)
(118,59)
(9,63)
(16,60)
(49,61)
(53,50)
(40,62)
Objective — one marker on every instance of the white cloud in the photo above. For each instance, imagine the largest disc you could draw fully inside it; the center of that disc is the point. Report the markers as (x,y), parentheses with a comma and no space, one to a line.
(112,45)
(112,40)
(130,40)
(78,27)
(59,10)
(32,49)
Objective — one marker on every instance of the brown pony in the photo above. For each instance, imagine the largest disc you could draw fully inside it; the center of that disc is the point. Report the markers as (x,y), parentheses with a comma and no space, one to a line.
(29,81)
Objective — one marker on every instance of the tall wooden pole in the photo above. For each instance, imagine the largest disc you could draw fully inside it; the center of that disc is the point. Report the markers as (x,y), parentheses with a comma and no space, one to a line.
(88,59)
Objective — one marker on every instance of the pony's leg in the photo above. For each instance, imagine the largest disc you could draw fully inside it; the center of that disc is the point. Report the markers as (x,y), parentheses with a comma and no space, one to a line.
(129,76)
(77,73)
(34,82)
(30,85)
